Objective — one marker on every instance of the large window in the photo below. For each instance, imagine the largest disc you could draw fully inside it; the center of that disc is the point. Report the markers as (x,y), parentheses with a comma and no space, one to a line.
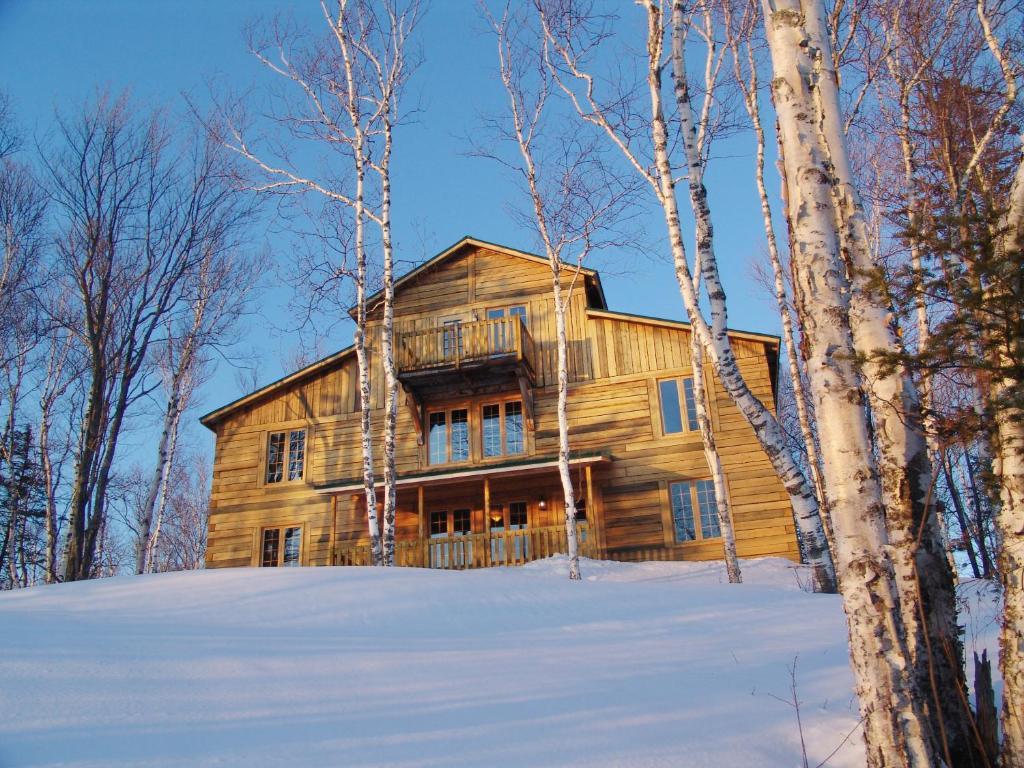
(448,436)
(286,455)
(502,429)
(678,406)
(696,495)
(281,547)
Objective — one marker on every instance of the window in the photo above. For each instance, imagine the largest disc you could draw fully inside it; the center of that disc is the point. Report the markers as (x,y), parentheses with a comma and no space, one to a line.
(504,523)
(673,405)
(286,449)
(444,444)
(687,496)
(502,334)
(452,338)
(502,429)
(449,551)
(274,554)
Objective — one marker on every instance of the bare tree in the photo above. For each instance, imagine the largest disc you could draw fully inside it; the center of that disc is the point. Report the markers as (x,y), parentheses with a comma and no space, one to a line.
(133,211)
(213,299)
(574,34)
(575,202)
(346,90)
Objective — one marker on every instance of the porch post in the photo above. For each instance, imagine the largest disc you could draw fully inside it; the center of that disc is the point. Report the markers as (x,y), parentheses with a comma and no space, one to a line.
(420,520)
(487,522)
(591,514)
(333,557)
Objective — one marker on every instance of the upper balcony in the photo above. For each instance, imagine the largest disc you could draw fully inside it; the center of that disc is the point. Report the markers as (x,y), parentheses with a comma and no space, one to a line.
(480,348)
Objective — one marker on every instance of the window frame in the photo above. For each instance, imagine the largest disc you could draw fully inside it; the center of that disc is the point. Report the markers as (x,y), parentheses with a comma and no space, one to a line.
(502,404)
(286,455)
(449,433)
(696,509)
(282,531)
(689,427)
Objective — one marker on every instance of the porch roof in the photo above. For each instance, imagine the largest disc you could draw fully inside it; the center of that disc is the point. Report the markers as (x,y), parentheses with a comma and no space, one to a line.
(504,469)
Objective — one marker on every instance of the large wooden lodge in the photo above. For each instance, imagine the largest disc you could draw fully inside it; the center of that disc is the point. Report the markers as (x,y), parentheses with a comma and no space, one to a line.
(478,436)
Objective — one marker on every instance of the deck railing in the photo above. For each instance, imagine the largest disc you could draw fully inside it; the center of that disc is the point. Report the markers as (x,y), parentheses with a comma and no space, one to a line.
(477,550)
(454,345)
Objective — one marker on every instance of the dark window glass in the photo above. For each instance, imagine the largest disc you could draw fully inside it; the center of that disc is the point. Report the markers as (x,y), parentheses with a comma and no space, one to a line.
(292,540)
(438,438)
(271,542)
(275,457)
(514,428)
(296,453)
(691,405)
(461,522)
(709,524)
(682,511)
(492,430)
(671,418)
(517,515)
(438,524)
(460,435)
(581,508)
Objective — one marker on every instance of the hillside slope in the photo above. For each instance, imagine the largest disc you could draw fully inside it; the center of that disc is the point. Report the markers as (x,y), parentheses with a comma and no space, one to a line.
(657,664)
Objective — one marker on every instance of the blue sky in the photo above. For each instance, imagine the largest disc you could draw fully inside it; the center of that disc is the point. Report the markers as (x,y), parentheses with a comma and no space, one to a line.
(58,53)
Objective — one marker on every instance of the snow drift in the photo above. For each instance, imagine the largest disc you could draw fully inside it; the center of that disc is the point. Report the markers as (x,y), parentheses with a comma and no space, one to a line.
(654,664)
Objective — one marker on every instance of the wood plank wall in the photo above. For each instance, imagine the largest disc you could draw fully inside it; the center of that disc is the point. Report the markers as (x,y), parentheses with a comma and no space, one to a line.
(614,367)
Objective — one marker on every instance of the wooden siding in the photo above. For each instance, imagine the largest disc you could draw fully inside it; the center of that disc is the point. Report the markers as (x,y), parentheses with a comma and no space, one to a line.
(614,366)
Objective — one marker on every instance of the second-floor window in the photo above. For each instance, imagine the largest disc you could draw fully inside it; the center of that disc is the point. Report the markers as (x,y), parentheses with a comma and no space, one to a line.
(502,429)
(286,455)
(678,406)
(449,436)
(503,334)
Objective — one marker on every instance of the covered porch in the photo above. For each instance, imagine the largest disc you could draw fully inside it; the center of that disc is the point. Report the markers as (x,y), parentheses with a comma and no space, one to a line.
(475,517)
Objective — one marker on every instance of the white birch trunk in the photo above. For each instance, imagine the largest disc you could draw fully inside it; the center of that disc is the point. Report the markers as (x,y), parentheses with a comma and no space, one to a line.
(801,397)
(1009,469)
(897,731)
(387,350)
(154,539)
(715,340)
(924,578)
(564,474)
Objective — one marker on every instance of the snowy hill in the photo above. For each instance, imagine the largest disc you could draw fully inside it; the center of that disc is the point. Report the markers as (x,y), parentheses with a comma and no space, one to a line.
(656,664)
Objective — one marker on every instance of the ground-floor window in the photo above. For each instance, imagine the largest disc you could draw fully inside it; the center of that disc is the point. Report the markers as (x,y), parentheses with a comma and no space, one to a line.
(281,547)
(450,526)
(688,496)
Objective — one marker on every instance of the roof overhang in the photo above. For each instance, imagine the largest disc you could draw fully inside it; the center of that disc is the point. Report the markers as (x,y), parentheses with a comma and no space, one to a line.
(764,338)
(447,476)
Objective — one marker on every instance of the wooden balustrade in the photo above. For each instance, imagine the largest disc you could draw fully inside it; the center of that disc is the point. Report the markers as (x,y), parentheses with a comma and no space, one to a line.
(477,550)
(501,338)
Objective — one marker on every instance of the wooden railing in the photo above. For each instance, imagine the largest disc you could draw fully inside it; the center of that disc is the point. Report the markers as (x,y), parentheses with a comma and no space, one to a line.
(477,550)
(457,344)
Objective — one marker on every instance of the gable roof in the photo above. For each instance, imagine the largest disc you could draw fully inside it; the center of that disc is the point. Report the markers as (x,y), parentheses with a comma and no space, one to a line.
(469,240)
(210,419)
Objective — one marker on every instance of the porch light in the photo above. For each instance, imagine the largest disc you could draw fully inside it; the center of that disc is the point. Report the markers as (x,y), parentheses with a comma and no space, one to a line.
(542,503)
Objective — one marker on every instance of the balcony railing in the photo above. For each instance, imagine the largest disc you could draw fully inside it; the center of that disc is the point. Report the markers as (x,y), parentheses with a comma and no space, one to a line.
(477,550)
(461,345)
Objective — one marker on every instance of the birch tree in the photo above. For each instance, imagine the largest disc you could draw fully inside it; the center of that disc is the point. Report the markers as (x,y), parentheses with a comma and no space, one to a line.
(574,201)
(344,99)
(213,299)
(569,31)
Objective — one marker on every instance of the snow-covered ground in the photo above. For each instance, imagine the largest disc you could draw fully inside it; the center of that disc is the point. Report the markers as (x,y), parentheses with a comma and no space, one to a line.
(654,664)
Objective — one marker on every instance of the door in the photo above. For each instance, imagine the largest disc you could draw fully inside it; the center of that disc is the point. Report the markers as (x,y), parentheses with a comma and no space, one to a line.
(451,337)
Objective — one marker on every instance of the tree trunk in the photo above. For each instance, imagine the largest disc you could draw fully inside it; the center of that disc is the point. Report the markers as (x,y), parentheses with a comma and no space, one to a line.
(897,731)
(1009,469)
(715,340)
(564,473)
(388,353)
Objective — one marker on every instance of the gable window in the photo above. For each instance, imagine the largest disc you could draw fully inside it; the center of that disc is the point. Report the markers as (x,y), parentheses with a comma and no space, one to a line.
(502,429)
(281,547)
(686,497)
(286,455)
(678,406)
(448,436)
